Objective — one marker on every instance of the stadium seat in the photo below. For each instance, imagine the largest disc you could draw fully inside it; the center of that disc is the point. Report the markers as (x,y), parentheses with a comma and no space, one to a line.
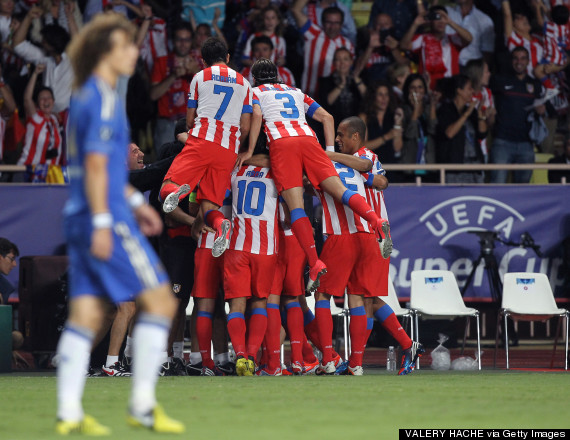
(435,295)
(528,297)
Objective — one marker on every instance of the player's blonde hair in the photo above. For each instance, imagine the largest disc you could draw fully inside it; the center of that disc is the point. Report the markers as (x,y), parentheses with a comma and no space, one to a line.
(88,47)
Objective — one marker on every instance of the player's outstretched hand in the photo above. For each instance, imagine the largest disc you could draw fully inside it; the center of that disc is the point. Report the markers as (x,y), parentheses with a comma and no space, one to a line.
(149,221)
(241,158)
(102,243)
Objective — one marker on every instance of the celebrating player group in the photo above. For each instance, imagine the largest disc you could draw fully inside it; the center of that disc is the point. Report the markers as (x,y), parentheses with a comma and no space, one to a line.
(260,249)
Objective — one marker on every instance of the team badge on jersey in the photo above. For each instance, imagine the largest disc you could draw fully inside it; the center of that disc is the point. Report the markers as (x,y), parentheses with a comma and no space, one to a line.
(530,87)
(105,133)
(176,288)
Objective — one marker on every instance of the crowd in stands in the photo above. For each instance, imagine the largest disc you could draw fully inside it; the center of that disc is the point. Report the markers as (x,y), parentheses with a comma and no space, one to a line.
(459,55)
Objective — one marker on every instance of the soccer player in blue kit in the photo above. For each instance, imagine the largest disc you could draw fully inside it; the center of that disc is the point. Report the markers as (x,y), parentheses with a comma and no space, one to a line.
(109,256)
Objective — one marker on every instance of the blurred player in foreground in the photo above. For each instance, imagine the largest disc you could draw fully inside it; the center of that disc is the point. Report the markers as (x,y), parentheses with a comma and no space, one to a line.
(109,256)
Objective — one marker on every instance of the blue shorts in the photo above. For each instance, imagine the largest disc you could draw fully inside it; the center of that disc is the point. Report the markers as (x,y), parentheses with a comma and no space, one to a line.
(132,268)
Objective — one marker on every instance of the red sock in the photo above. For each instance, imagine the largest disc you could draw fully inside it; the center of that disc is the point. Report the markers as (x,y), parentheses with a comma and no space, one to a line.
(311,328)
(325,326)
(359,205)
(303,230)
(256,332)
(263,358)
(295,329)
(273,336)
(308,354)
(167,189)
(236,330)
(214,219)
(204,333)
(390,322)
(357,335)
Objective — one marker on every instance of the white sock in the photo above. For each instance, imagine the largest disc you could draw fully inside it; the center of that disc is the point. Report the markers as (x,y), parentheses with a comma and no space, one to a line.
(111,360)
(222,358)
(195,357)
(177,349)
(74,352)
(129,347)
(150,338)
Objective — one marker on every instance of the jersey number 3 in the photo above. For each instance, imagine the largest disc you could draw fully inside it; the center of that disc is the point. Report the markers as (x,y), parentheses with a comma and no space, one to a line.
(289,105)
(228,92)
(248,192)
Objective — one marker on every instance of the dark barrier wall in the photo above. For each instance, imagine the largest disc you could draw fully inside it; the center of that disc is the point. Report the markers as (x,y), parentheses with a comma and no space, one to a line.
(429,228)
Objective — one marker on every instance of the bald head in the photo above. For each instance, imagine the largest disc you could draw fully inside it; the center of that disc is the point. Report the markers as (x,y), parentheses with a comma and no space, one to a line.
(350,135)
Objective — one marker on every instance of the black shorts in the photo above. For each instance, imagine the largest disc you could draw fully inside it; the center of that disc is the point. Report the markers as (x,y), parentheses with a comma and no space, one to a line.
(177,255)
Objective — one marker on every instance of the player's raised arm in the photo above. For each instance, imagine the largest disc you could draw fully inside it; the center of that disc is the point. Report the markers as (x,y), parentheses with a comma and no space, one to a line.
(256,120)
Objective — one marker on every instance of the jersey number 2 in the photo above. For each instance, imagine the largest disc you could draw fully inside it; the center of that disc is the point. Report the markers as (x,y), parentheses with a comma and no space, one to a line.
(289,105)
(228,92)
(248,192)
(344,173)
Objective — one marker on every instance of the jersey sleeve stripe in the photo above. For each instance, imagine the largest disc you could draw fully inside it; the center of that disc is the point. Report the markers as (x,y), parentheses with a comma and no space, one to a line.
(313,108)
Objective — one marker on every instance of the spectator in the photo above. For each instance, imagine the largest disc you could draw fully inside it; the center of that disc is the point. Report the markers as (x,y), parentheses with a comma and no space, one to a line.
(8,254)
(517,33)
(64,13)
(154,45)
(419,121)
(382,50)
(135,160)
(262,47)
(7,108)
(555,176)
(341,92)
(514,94)
(401,11)
(314,11)
(384,123)
(93,7)
(479,74)
(202,32)
(438,51)
(397,74)
(272,27)
(58,75)
(204,11)
(320,43)
(42,144)
(6,11)
(479,25)
(170,79)
(461,125)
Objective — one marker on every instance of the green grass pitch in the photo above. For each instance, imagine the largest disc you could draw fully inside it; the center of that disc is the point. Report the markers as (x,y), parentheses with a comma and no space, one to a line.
(374,406)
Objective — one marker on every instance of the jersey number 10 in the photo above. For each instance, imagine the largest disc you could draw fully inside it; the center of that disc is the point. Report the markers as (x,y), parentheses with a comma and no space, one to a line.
(246,189)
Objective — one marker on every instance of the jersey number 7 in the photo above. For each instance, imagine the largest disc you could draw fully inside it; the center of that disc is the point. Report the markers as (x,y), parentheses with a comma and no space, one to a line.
(228,92)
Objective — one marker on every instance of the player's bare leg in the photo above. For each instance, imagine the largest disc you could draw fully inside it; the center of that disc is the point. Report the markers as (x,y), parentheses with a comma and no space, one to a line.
(303,231)
(171,193)
(125,313)
(150,334)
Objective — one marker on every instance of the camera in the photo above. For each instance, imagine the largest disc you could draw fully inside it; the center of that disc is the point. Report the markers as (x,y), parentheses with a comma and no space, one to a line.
(433,15)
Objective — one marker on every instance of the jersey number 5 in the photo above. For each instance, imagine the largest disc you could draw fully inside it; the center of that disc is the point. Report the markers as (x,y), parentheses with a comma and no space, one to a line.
(289,105)
(248,192)
(228,92)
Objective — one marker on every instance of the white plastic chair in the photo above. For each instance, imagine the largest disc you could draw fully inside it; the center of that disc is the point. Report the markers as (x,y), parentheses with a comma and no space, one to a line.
(435,295)
(528,297)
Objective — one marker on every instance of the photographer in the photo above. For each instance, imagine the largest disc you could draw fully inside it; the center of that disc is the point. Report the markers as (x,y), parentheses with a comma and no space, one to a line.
(438,52)
(382,50)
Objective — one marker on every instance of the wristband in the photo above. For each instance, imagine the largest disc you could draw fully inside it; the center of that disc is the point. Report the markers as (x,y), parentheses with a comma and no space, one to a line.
(136,200)
(330,148)
(103,220)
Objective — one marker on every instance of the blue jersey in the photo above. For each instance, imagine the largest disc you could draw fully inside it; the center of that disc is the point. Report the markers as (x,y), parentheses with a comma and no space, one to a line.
(97,124)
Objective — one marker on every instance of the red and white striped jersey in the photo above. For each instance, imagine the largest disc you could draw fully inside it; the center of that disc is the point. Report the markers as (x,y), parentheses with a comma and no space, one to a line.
(42,134)
(556,42)
(374,197)
(533,46)
(339,219)
(283,110)
(206,239)
(254,211)
(440,58)
(279,46)
(154,45)
(285,75)
(485,97)
(319,53)
(220,95)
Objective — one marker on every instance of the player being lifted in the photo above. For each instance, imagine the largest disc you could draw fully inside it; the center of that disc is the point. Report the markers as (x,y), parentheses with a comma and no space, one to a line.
(294,150)
(219,113)
(109,256)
